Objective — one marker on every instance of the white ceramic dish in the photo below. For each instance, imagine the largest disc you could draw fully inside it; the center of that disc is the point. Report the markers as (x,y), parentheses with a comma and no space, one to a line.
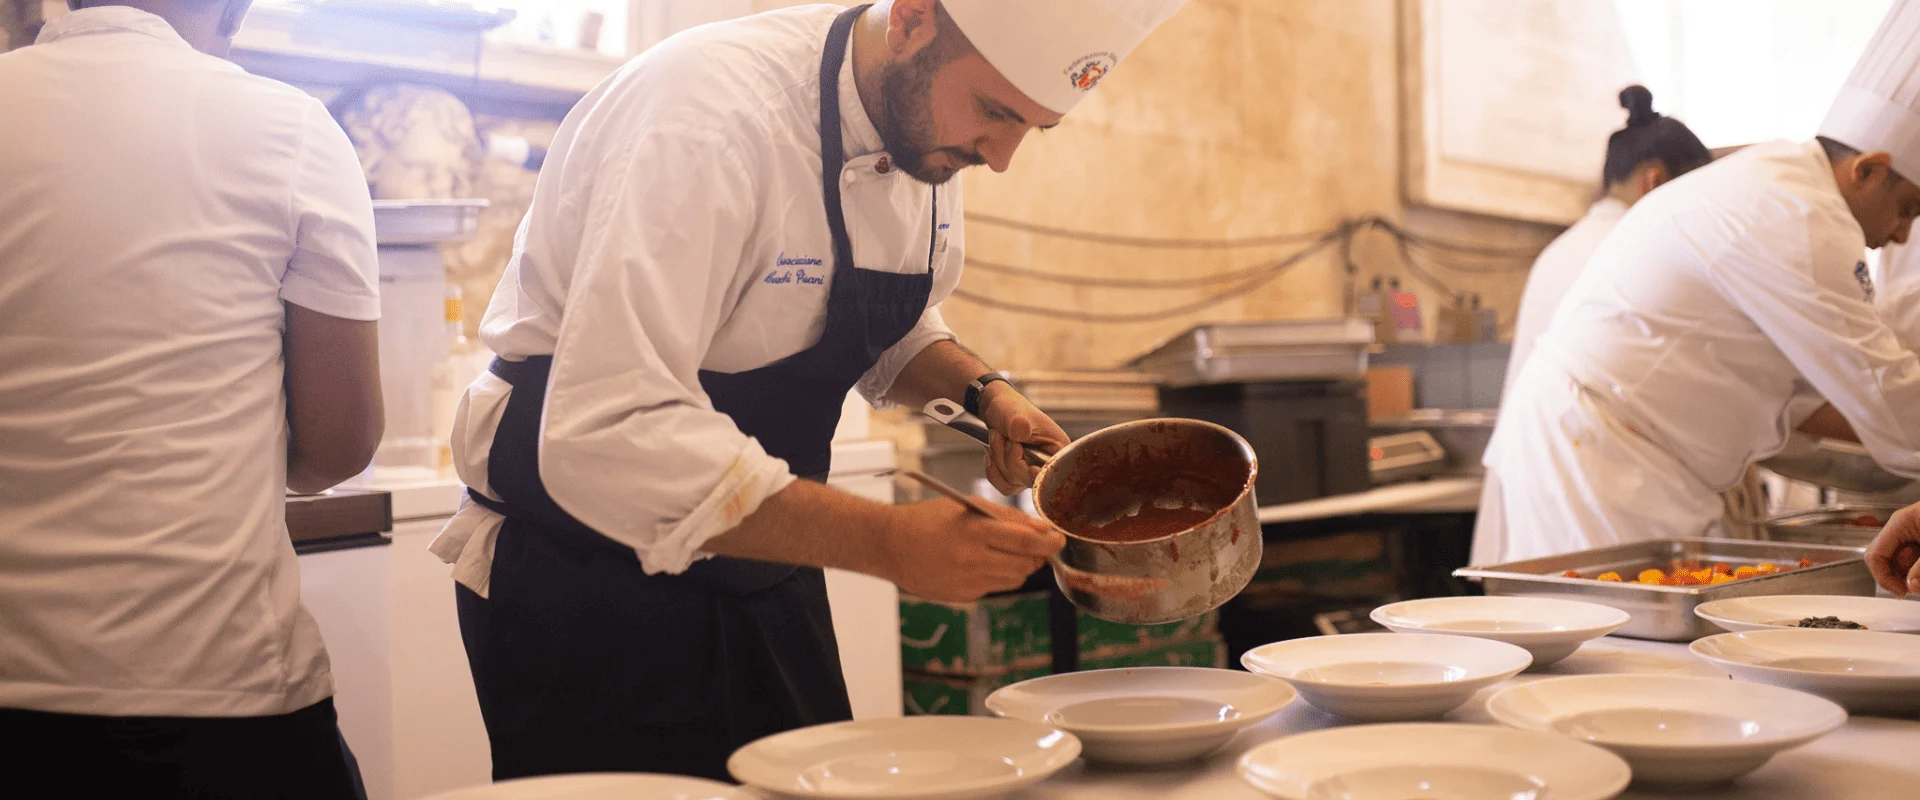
(1866,671)
(1433,760)
(1549,629)
(598,786)
(1146,715)
(1388,676)
(905,758)
(1672,728)
(1882,614)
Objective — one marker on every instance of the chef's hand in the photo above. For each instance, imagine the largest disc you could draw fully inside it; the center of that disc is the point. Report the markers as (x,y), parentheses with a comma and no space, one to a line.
(941,551)
(1015,424)
(1893,554)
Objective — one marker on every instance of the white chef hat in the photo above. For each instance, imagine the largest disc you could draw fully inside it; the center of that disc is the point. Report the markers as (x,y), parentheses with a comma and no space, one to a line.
(1055,51)
(1878,108)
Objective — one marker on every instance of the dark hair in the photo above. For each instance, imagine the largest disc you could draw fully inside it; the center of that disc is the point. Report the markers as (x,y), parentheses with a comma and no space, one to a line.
(1650,136)
(1836,151)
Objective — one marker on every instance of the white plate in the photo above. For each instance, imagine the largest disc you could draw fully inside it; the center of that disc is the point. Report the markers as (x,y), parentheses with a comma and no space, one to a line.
(1786,610)
(1388,676)
(1549,629)
(905,758)
(1433,760)
(597,786)
(1146,715)
(1866,671)
(1672,728)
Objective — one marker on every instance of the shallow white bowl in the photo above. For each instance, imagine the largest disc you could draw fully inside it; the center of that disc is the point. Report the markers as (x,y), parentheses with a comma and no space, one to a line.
(1882,614)
(1388,676)
(1433,760)
(1671,728)
(601,786)
(1866,671)
(905,758)
(1549,629)
(1145,715)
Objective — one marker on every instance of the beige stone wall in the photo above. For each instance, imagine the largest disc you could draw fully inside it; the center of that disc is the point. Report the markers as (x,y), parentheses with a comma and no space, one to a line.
(1239,118)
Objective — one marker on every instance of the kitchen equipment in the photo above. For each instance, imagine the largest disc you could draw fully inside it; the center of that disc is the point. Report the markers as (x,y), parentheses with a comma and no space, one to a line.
(1672,729)
(1786,611)
(1125,476)
(1831,462)
(1110,585)
(1433,760)
(1865,671)
(1461,434)
(1398,457)
(1835,525)
(601,786)
(1323,349)
(1548,629)
(1666,612)
(1088,391)
(1388,676)
(905,758)
(1147,715)
(417,222)
(1312,436)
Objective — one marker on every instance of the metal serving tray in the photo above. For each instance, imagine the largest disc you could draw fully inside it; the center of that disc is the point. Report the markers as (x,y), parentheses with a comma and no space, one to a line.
(1665,613)
(1830,525)
(1325,349)
(421,222)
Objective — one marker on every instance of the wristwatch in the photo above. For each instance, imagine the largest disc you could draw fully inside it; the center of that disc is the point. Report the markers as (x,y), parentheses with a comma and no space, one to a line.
(971,402)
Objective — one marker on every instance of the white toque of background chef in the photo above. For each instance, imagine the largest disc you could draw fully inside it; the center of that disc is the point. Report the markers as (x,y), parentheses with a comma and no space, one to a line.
(1671,364)
(739,226)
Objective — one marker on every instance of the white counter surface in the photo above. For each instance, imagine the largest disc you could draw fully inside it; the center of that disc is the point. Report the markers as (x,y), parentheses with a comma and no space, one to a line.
(1872,758)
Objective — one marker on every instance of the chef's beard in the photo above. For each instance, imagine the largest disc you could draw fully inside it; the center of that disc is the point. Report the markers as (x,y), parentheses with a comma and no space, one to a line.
(906,120)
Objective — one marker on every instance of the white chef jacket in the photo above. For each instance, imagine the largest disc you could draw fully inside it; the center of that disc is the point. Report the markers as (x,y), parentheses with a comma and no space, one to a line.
(1553,273)
(158,207)
(1672,363)
(678,226)
(1896,293)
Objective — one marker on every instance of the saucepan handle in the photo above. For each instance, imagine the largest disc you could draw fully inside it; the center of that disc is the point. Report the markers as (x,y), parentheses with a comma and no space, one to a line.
(950,414)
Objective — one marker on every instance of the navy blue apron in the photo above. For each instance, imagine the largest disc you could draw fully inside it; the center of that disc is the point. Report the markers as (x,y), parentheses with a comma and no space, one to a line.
(584,663)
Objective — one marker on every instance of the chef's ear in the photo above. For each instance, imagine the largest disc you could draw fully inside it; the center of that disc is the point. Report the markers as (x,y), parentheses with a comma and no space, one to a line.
(911,25)
(1872,167)
(1652,175)
(232,15)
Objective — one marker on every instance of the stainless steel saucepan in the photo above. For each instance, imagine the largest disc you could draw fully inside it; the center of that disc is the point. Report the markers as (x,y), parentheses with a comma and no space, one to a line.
(1123,495)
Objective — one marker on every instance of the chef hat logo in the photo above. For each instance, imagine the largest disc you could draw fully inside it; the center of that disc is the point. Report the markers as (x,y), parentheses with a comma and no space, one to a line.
(1087,70)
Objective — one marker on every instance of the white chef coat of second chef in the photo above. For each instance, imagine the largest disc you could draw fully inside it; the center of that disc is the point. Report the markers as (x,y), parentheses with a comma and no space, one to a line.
(145,567)
(1553,273)
(678,226)
(1671,364)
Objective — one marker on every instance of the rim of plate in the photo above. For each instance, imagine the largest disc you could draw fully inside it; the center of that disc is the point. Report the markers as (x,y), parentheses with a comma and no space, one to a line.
(1385,616)
(1902,645)
(1058,759)
(624,781)
(1504,649)
(1836,715)
(1621,773)
(1713,611)
(1245,719)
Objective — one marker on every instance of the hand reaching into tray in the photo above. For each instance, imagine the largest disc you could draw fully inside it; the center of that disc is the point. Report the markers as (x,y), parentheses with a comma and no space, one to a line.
(1893,554)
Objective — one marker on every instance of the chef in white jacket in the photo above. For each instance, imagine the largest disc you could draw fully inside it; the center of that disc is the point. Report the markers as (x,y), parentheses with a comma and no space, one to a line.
(739,226)
(1670,365)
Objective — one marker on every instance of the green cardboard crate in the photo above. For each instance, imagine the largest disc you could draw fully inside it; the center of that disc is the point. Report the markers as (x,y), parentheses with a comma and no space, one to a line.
(1010,631)
(953,694)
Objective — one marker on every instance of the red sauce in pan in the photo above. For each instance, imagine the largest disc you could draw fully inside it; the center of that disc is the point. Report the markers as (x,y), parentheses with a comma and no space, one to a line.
(1150,523)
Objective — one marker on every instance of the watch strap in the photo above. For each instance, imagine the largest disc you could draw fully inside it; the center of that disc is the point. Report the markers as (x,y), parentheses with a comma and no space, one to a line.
(971,401)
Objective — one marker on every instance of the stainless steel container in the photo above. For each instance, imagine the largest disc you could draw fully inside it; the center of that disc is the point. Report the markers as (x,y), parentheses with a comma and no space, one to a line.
(1462,433)
(1160,463)
(1832,525)
(1666,613)
(1328,349)
(1830,462)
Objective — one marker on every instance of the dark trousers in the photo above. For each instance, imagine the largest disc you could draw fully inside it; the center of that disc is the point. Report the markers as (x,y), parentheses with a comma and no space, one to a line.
(297,756)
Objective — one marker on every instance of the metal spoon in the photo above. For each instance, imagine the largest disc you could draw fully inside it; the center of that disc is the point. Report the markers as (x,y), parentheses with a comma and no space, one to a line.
(1122,586)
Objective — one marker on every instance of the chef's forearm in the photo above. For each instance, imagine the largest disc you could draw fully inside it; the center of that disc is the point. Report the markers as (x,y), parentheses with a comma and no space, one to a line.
(809,524)
(942,370)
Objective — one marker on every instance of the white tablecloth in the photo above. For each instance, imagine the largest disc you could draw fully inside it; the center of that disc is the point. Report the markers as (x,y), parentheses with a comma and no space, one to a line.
(1872,758)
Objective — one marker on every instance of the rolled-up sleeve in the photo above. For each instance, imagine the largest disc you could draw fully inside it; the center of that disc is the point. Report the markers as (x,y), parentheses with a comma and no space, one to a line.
(631,445)
(1796,282)
(334,269)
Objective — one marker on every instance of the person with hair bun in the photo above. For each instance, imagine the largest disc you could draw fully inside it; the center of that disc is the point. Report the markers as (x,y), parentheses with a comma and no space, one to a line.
(1678,356)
